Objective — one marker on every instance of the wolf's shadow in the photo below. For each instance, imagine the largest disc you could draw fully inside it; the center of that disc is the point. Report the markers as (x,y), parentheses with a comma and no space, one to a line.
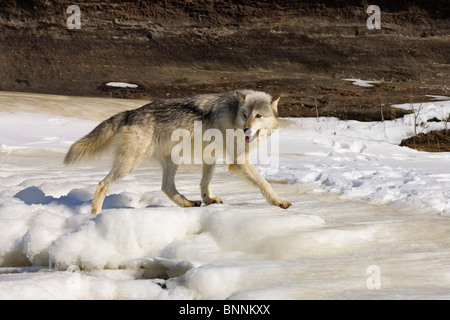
(76,197)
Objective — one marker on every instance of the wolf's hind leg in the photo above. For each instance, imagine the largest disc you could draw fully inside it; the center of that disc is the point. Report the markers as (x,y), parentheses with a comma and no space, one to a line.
(118,172)
(99,197)
(168,185)
(204,185)
(128,157)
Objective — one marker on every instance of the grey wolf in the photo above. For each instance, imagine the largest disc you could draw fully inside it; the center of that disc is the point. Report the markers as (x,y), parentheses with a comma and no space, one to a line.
(146,131)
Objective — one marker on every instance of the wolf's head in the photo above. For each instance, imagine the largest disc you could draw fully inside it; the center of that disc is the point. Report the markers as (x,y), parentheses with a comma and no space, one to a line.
(257,114)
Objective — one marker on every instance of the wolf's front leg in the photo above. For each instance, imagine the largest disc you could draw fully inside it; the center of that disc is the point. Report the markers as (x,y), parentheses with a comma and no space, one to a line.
(208,170)
(249,172)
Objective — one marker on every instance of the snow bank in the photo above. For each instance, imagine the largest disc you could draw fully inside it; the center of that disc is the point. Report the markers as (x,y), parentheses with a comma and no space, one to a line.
(363,160)
(25,283)
(118,239)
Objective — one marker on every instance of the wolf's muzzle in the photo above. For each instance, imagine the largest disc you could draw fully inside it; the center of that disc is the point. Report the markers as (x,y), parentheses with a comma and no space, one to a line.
(250,135)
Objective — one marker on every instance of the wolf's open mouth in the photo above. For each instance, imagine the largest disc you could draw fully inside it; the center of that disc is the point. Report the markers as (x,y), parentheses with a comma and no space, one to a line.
(250,139)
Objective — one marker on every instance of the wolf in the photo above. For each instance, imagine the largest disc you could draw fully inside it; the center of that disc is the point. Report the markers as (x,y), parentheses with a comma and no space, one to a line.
(146,131)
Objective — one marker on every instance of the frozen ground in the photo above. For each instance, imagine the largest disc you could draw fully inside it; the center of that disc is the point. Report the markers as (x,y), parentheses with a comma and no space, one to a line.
(369,219)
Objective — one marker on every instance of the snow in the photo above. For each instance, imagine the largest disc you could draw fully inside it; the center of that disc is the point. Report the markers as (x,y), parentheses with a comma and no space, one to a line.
(121,85)
(362,83)
(360,203)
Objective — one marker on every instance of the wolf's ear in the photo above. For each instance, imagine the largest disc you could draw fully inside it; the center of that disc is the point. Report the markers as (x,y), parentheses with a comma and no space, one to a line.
(274,103)
(241,96)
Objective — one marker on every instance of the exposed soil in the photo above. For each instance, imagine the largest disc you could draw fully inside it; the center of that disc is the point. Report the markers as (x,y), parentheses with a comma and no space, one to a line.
(434,141)
(301,50)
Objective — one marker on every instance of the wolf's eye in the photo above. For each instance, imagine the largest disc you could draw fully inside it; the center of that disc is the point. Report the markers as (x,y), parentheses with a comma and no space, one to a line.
(244,115)
(258,116)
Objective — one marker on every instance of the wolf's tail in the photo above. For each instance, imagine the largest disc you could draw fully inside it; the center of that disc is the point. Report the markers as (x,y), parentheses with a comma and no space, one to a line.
(97,141)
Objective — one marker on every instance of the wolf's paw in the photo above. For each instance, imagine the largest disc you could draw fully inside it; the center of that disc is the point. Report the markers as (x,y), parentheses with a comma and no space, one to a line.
(282,204)
(208,201)
(95,211)
(185,203)
(195,203)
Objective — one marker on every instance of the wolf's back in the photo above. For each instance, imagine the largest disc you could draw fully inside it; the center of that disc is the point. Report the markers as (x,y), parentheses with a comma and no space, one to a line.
(97,141)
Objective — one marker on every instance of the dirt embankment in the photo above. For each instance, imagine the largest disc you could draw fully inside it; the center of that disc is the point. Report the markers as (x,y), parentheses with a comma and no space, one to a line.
(302,50)
(434,141)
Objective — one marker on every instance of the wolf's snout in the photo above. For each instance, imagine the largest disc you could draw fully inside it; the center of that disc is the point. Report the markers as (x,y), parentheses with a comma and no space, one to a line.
(250,134)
